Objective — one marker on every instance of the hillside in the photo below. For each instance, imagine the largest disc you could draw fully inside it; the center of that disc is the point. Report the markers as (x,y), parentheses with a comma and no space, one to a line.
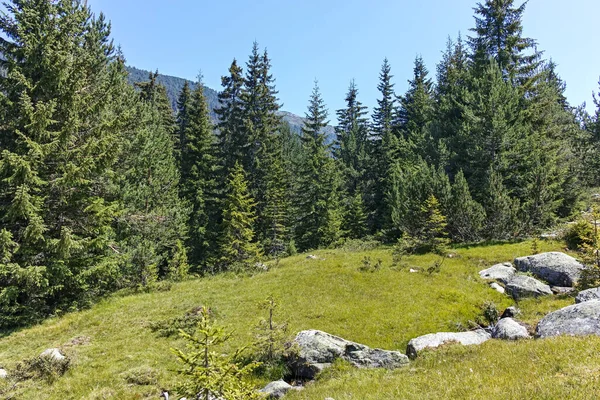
(115,355)
(174,85)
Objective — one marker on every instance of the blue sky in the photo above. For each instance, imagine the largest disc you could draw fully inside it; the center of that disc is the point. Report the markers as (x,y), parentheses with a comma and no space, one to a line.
(335,41)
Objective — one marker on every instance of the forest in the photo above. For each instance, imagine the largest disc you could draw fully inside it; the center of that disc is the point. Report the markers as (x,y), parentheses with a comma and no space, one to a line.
(103,186)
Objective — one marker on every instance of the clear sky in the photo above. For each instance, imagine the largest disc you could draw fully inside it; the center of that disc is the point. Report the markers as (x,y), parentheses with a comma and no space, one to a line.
(335,41)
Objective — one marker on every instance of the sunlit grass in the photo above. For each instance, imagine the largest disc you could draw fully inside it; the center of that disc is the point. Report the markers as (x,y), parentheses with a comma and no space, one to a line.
(382,309)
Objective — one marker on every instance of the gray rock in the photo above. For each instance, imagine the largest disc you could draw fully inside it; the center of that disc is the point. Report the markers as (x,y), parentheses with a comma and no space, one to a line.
(53,355)
(559,290)
(510,312)
(558,269)
(497,287)
(3,373)
(576,320)
(311,257)
(434,340)
(499,272)
(509,329)
(521,286)
(587,295)
(319,349)
(278,389)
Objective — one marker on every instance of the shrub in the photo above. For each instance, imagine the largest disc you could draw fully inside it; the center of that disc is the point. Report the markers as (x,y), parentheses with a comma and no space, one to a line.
(580,234)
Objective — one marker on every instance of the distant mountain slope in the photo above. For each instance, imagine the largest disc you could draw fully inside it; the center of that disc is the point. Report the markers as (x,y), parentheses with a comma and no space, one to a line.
(174,85)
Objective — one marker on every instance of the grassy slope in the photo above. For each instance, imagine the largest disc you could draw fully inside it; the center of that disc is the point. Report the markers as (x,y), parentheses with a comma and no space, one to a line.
(382,309)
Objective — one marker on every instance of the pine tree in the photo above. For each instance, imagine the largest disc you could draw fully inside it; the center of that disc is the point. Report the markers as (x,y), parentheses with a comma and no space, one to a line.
(500,208)
(319,214)
(465,215)
(352,141)
(155,93)
(183,119)
(355,219)
(238,251)
(498,29)
(382,130)
(199,179)
(415,112)
(63,111)
(492,134)
(208,373)
(263,154)
(154,218)
(230,113)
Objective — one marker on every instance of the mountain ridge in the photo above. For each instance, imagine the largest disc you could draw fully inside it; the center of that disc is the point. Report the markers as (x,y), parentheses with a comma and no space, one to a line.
(174,84)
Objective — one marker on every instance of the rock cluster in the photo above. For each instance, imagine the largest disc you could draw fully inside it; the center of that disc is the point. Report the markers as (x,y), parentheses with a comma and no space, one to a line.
(318,350)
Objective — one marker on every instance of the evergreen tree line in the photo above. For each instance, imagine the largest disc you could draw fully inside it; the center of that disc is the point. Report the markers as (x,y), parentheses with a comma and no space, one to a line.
(104,187)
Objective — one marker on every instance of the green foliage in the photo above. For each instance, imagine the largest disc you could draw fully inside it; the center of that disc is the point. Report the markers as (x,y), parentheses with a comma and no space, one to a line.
(490,313)
(320,215)
(238,251)
(40,368)
(207,373)
(271,336)
(186,323)
(199,186)
(368,266)
(580,235)
(465,215)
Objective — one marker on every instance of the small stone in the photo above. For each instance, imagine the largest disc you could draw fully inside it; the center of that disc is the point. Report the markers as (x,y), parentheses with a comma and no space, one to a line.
(53,355)
(311,257)
(434,340)
(497,288)
(3,373)
(510,312)
(278,389)
(499,272)
(509,329)
(559,290)
(412,271)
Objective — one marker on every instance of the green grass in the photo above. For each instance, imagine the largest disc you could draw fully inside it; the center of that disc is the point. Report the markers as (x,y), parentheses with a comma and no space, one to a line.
(124,359)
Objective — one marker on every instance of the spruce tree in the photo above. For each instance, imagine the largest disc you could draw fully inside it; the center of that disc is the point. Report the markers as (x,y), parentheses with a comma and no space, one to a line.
(199,179)
(63,111)
(499,29)
(351,141)
(465,215)
(500,208)
(318,191)
(230,113)
(183,119)
(154,219)
(415,112)
(382,131)
(237,250)
(262,153)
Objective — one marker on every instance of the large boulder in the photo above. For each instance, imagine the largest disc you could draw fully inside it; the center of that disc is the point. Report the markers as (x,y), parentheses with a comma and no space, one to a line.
(317,350)
(499,272)
(558,269)
(509,329)
(576,320)
(521,286)
(278,389)
(434,340)
(587,295)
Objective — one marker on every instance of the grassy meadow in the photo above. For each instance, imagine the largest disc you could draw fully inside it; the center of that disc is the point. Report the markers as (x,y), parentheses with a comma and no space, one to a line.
(116,355)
